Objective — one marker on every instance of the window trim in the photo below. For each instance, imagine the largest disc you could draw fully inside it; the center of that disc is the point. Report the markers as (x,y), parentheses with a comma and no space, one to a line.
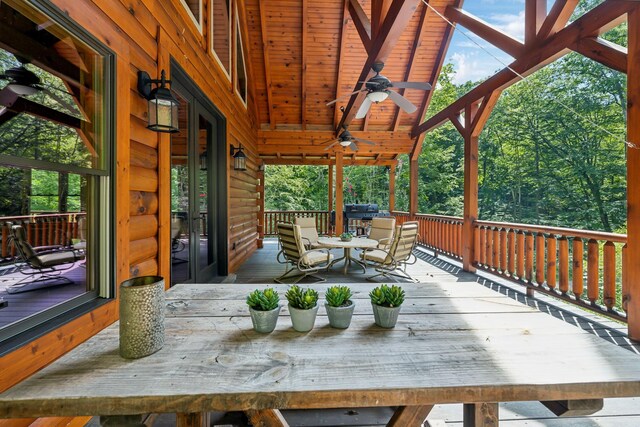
(238,38)
(211,38)
(197,21)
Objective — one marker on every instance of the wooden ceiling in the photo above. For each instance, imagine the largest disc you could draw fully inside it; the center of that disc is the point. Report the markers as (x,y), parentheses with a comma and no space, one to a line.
(307,53)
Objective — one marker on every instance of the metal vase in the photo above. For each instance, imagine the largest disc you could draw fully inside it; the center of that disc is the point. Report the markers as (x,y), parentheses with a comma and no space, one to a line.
(385,317)
(339,317)
(264,321)
(141,316)
(303,320)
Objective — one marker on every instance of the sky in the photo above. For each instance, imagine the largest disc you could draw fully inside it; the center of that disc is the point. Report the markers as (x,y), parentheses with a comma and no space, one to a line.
(470,61)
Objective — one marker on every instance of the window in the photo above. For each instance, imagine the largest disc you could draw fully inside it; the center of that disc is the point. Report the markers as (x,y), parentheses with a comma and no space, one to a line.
(55,166)
(194,9)
(241,70)
(221,33)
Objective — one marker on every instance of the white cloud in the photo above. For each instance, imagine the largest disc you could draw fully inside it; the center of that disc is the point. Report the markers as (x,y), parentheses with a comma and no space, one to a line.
(473,66)
(511,24)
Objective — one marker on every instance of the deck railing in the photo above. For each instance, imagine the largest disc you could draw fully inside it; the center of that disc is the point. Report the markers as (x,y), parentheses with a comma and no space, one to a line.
(42,230)
(272,218)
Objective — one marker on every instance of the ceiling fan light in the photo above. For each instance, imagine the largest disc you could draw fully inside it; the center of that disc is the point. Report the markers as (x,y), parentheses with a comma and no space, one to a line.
(345,143)
(22,90)
(378,96)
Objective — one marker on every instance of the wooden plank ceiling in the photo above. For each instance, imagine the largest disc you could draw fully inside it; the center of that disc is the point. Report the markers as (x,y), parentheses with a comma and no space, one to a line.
(307,53)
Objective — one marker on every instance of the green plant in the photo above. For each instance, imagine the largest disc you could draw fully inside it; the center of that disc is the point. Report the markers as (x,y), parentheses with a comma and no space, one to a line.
(302,299)
(263,300)
(346,236)
(387,296)
(338,296)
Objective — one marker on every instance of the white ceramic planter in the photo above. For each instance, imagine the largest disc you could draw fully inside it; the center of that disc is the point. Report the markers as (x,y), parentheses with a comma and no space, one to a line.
(385,317)
(340,317)
(264,321)
(303,320)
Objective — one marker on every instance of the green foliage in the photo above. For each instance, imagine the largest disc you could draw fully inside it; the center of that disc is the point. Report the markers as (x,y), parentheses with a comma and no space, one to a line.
(387,296)
(303,299)
(346,236)
(338,296)
(263,300)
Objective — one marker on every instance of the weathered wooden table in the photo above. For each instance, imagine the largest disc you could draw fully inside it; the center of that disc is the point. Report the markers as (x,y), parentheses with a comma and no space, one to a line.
(454,343)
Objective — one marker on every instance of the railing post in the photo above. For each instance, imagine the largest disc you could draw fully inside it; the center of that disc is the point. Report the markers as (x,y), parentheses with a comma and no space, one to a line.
(330,197)
(470,200)
(392,188)
(413,188)
(339,194)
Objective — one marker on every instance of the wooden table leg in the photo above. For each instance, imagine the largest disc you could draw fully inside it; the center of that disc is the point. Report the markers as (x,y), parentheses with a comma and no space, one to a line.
(194,419)
(266,418)
(409,416)
(480,415)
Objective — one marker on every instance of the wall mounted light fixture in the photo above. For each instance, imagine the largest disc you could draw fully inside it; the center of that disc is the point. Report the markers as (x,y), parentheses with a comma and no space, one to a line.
(163,106)
(204,162)
(239,158)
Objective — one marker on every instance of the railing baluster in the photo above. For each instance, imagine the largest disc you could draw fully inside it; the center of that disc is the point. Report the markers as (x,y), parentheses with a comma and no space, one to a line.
(609,274)
(511,252)
(495,249)
(520,254)
(551,261)
(503,250)
(5,239)
(476,244)
(593,264)
(482,254)
(578,270)
(563,244)
(540,259)
(528,253)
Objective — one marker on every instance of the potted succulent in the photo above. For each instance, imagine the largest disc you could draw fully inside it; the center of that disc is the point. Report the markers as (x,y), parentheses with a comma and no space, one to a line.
(264,307)
(303,307)
(339,306)
(386,301)
(346,237)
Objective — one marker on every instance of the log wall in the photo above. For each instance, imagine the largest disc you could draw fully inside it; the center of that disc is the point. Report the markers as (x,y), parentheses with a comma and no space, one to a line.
(145,35)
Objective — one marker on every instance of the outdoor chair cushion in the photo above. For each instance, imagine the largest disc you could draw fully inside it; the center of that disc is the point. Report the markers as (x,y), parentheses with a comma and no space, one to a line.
(308,231)
(56,258)
(382,231)
(315,258)
(375,255)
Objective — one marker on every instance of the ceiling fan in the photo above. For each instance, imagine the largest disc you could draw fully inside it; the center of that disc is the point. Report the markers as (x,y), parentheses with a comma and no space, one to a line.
(378,90)
(23,82)
(347,140)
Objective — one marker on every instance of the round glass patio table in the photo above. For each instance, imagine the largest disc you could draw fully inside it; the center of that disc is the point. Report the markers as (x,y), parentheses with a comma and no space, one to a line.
(356,242)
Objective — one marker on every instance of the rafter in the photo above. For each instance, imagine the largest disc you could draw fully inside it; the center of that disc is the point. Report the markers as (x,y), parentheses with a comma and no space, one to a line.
(379,9)
(399,15)
(499,39)
(595,22)
(557,18)
(609,54)
(266,48)
(24,105)
(417,41)
(535,12)
(341,49)
(361,22)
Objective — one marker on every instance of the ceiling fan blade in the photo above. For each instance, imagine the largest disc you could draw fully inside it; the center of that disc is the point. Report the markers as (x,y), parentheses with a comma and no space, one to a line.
(353,146)
(402,102)
(349,95)
(412,85)
(8,97)
(331,145)
(364,140)
(364,108)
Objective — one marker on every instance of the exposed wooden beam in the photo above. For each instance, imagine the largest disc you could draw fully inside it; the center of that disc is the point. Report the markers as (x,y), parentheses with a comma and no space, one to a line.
(632,275)
(595,22)
(499,39)
(341,49)
(481,115)
(557,18)
(266,49)
(609,54)
(339,193)
(435,73)
(244,31)
(458,122)
(330,187)
(358,161)
(399,15)
(361,22)
(535,11)
(23,105)
(417,41)
(379,9)
(413,187)
(303,79)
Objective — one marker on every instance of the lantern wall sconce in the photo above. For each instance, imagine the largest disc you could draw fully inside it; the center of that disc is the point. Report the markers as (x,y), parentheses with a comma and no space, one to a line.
(239,158)
(163,106)
(204,161)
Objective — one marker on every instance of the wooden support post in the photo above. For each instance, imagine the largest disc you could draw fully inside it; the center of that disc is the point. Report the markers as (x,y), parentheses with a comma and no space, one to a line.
(470,213)
(197,419)
(392,188)
(413,187)
(480,415)
(406,416)
(534,14)
(632,275)
(330,196)
(260,177)
(339,194)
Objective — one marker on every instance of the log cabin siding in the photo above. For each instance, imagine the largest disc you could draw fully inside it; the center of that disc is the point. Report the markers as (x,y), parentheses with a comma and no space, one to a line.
(145,35)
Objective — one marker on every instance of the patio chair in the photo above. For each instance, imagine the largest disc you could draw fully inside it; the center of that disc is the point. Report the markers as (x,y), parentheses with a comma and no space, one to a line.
(43,268)
(177,245)
(394,261)
(308,231)
(297,258)
(382,230)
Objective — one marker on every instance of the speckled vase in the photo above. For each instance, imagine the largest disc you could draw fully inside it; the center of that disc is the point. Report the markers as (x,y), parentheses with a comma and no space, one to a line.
(141,316)
(264,321)
(385,317)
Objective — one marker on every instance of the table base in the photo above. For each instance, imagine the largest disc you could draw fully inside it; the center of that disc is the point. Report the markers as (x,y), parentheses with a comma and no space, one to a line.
(348,259)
